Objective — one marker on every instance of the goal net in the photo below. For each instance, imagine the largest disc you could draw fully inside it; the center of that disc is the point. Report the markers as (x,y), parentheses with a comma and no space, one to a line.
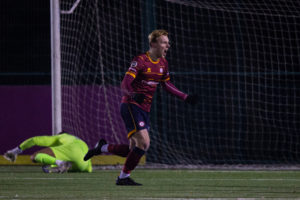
(242,58)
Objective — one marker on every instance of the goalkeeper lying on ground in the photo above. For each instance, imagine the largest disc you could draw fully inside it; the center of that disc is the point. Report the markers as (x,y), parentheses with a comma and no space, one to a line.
(64,153)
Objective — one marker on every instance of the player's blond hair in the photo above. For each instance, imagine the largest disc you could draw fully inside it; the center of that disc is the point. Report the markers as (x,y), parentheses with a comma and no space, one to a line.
(156,34)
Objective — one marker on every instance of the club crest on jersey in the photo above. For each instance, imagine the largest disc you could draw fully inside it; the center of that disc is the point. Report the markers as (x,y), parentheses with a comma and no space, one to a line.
(149,70)
(141,124)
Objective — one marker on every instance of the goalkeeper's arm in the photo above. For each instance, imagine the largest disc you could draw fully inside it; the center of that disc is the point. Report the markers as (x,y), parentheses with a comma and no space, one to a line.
(44,141)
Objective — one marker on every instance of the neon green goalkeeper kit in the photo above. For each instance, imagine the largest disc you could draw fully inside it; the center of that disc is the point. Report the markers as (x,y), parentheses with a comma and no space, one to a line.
(66,147)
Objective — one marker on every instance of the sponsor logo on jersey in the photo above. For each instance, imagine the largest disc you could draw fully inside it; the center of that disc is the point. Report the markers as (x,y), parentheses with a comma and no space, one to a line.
(151,83)
(161,70)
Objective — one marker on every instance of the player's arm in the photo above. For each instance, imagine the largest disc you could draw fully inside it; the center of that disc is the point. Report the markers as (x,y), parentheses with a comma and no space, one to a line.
(43,141)
(126,84)
(169,87)
(47,141)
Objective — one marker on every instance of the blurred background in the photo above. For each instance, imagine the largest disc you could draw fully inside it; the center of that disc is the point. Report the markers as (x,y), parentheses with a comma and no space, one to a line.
(25,71)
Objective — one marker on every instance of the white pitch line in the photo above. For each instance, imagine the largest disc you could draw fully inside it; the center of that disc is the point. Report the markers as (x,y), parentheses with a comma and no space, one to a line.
(150,198)
(170,179)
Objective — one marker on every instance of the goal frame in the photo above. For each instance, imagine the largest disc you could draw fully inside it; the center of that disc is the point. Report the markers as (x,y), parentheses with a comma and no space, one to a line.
(55,66)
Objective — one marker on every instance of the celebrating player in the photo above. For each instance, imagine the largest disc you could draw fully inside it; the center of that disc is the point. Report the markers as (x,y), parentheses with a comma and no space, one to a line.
(146,71)
(64,153)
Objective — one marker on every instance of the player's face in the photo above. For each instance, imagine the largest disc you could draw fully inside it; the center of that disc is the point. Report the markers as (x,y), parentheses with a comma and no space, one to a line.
(161,46)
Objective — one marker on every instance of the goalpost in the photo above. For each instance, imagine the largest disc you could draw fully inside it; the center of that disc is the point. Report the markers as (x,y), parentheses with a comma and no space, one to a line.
(55,66)
(240,57)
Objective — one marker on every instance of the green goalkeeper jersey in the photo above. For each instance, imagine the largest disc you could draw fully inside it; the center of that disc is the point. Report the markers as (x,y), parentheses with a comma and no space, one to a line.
(66,147)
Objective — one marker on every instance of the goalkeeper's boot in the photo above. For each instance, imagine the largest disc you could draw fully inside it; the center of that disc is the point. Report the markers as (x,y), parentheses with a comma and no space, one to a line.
(127,181)
(12,154)
(49,169)
(95,151)
(46,168)
(63,167)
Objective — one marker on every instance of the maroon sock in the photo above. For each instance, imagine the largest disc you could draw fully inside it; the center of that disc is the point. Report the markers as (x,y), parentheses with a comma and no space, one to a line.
(133,159)
(119,149)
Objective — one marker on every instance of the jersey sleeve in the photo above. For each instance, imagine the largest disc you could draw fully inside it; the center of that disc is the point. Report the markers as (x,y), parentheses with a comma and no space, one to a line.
(132,72)
(43,141)
(135,66)
(168,86)
(166,75)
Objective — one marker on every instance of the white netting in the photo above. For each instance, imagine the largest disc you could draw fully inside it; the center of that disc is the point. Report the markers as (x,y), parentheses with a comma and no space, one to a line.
(240,57)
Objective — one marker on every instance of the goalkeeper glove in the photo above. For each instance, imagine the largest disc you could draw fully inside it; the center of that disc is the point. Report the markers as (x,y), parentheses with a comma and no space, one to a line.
(192,99)
(139,98)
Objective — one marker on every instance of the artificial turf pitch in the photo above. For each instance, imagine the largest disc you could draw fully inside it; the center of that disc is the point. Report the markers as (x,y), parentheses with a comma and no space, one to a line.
(29,182)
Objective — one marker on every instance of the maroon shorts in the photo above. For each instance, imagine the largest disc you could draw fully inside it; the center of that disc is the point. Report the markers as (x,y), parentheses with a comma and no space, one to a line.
(135,118)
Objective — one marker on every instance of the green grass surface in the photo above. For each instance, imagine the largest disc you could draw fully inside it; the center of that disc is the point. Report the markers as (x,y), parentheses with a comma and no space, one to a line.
(29,182)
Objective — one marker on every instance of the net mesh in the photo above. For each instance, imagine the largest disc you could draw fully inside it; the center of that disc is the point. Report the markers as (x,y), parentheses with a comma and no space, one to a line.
(241,58)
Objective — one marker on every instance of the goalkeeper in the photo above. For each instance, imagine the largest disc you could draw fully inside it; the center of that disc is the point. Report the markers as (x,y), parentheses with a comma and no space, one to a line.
(146,71)
(63,152)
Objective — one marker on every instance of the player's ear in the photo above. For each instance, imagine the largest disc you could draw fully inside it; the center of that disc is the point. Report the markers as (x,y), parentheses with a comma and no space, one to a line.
(150,44)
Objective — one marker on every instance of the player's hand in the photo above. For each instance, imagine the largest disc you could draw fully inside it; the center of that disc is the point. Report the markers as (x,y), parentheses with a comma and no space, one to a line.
(139,98)
(192,99)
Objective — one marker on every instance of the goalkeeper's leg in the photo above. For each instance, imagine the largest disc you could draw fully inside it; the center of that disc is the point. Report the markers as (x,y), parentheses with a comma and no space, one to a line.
(46,151)
(48,159)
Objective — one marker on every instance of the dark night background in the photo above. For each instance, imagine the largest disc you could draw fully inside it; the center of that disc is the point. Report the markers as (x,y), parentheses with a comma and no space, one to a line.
(242,59)
(25,42)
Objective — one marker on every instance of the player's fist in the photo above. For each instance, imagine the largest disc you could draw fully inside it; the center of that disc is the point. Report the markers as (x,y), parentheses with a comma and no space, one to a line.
(139,98)
(192,99)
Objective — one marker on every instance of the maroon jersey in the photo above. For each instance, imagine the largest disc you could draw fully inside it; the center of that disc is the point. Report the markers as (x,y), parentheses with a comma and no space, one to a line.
(143,76)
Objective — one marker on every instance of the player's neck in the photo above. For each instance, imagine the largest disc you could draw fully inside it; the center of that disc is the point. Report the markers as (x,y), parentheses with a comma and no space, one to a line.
(152,55)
